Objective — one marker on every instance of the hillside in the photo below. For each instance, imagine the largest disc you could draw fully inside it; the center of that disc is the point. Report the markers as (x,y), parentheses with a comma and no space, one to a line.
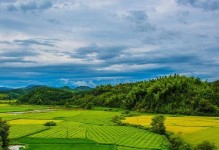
(10,93)
(45,96)
(170,94)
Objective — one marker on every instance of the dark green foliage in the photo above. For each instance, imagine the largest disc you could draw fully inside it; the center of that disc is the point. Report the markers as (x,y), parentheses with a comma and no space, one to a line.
(118,120)
(205,145)
(173,94)
(46,96)
(177,143)
(89,105)
(82,88)
(1,143)
(50,123)
(67,105)
(15,93)
(157,124)
(4,133)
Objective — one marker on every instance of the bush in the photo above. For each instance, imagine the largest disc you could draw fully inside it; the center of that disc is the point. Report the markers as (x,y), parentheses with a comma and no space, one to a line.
(89,105)
(67,105)
(205,145)
(83,105)
(117,120)
(157,124)
(126,112)
(50,123)
(178,143)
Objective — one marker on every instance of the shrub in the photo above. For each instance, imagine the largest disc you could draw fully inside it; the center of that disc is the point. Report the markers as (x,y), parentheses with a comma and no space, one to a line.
(117,120)
(205,145)
(67,105)
(50,123)
(126,112)
(157,124)
(177,143)
(89,105)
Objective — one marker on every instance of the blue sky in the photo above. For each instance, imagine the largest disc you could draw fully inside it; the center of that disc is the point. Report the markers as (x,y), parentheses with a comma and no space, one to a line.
(92,42)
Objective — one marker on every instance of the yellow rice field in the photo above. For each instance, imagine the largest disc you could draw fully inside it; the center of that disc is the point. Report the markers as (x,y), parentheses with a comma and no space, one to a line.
(193,129)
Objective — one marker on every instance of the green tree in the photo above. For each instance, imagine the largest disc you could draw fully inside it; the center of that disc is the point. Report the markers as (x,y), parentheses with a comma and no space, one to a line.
(4,133)
(205,145)
(157,124)
(206,107)
(177,143)
(89,105)
(67,105)
(0,143)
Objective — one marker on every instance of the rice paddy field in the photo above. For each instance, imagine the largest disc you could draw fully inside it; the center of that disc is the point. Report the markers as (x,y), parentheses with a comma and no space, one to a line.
(75,129)
(193,129)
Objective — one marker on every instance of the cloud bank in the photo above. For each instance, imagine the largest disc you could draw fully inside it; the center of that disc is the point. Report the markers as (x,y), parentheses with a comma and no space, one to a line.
(92,42)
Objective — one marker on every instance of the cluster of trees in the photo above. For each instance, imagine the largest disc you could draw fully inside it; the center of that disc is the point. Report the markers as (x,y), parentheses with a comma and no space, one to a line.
(8,93)
(4,133)
(15,93)
(46,96)
(173,94)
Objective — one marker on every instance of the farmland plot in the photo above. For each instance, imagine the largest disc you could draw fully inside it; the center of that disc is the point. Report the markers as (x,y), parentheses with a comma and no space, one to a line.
(192,129)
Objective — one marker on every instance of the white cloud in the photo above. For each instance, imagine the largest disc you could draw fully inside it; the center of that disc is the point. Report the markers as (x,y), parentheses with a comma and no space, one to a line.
(128,67)
(89,83)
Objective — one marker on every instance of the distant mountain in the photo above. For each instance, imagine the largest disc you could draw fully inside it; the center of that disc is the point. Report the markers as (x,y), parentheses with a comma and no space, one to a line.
(5,89)
(33,86)
(66,88)
(83,88)
(77,89)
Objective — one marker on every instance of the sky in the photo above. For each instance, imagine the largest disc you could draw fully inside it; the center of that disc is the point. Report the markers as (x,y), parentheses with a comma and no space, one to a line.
(92,42)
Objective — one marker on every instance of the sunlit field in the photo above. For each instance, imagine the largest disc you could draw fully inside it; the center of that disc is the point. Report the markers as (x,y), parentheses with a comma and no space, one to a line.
(78,129)
(16,108)
(193,129)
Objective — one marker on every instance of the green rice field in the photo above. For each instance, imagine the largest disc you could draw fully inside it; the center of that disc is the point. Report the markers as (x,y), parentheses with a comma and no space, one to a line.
(75,129)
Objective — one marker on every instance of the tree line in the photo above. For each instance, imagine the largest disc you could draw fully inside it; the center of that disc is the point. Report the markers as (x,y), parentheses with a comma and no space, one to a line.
(174,94)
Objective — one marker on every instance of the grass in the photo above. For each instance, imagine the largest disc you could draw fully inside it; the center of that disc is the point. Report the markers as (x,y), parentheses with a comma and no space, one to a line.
(211,134)
(21,130)
(3,96)
(192,129)
(70,146)
(88,125)
(62,144)
(18,108)
(63,130)
(30,121)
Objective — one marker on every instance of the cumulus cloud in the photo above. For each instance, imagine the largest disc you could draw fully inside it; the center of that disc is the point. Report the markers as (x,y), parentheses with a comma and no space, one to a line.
(67,81)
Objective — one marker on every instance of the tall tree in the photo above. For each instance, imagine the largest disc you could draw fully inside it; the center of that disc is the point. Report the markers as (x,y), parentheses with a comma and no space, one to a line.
(4,133)
(157,124)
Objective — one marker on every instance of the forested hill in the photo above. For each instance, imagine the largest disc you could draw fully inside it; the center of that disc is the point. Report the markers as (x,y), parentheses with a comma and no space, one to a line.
(171,94)
(10,93)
